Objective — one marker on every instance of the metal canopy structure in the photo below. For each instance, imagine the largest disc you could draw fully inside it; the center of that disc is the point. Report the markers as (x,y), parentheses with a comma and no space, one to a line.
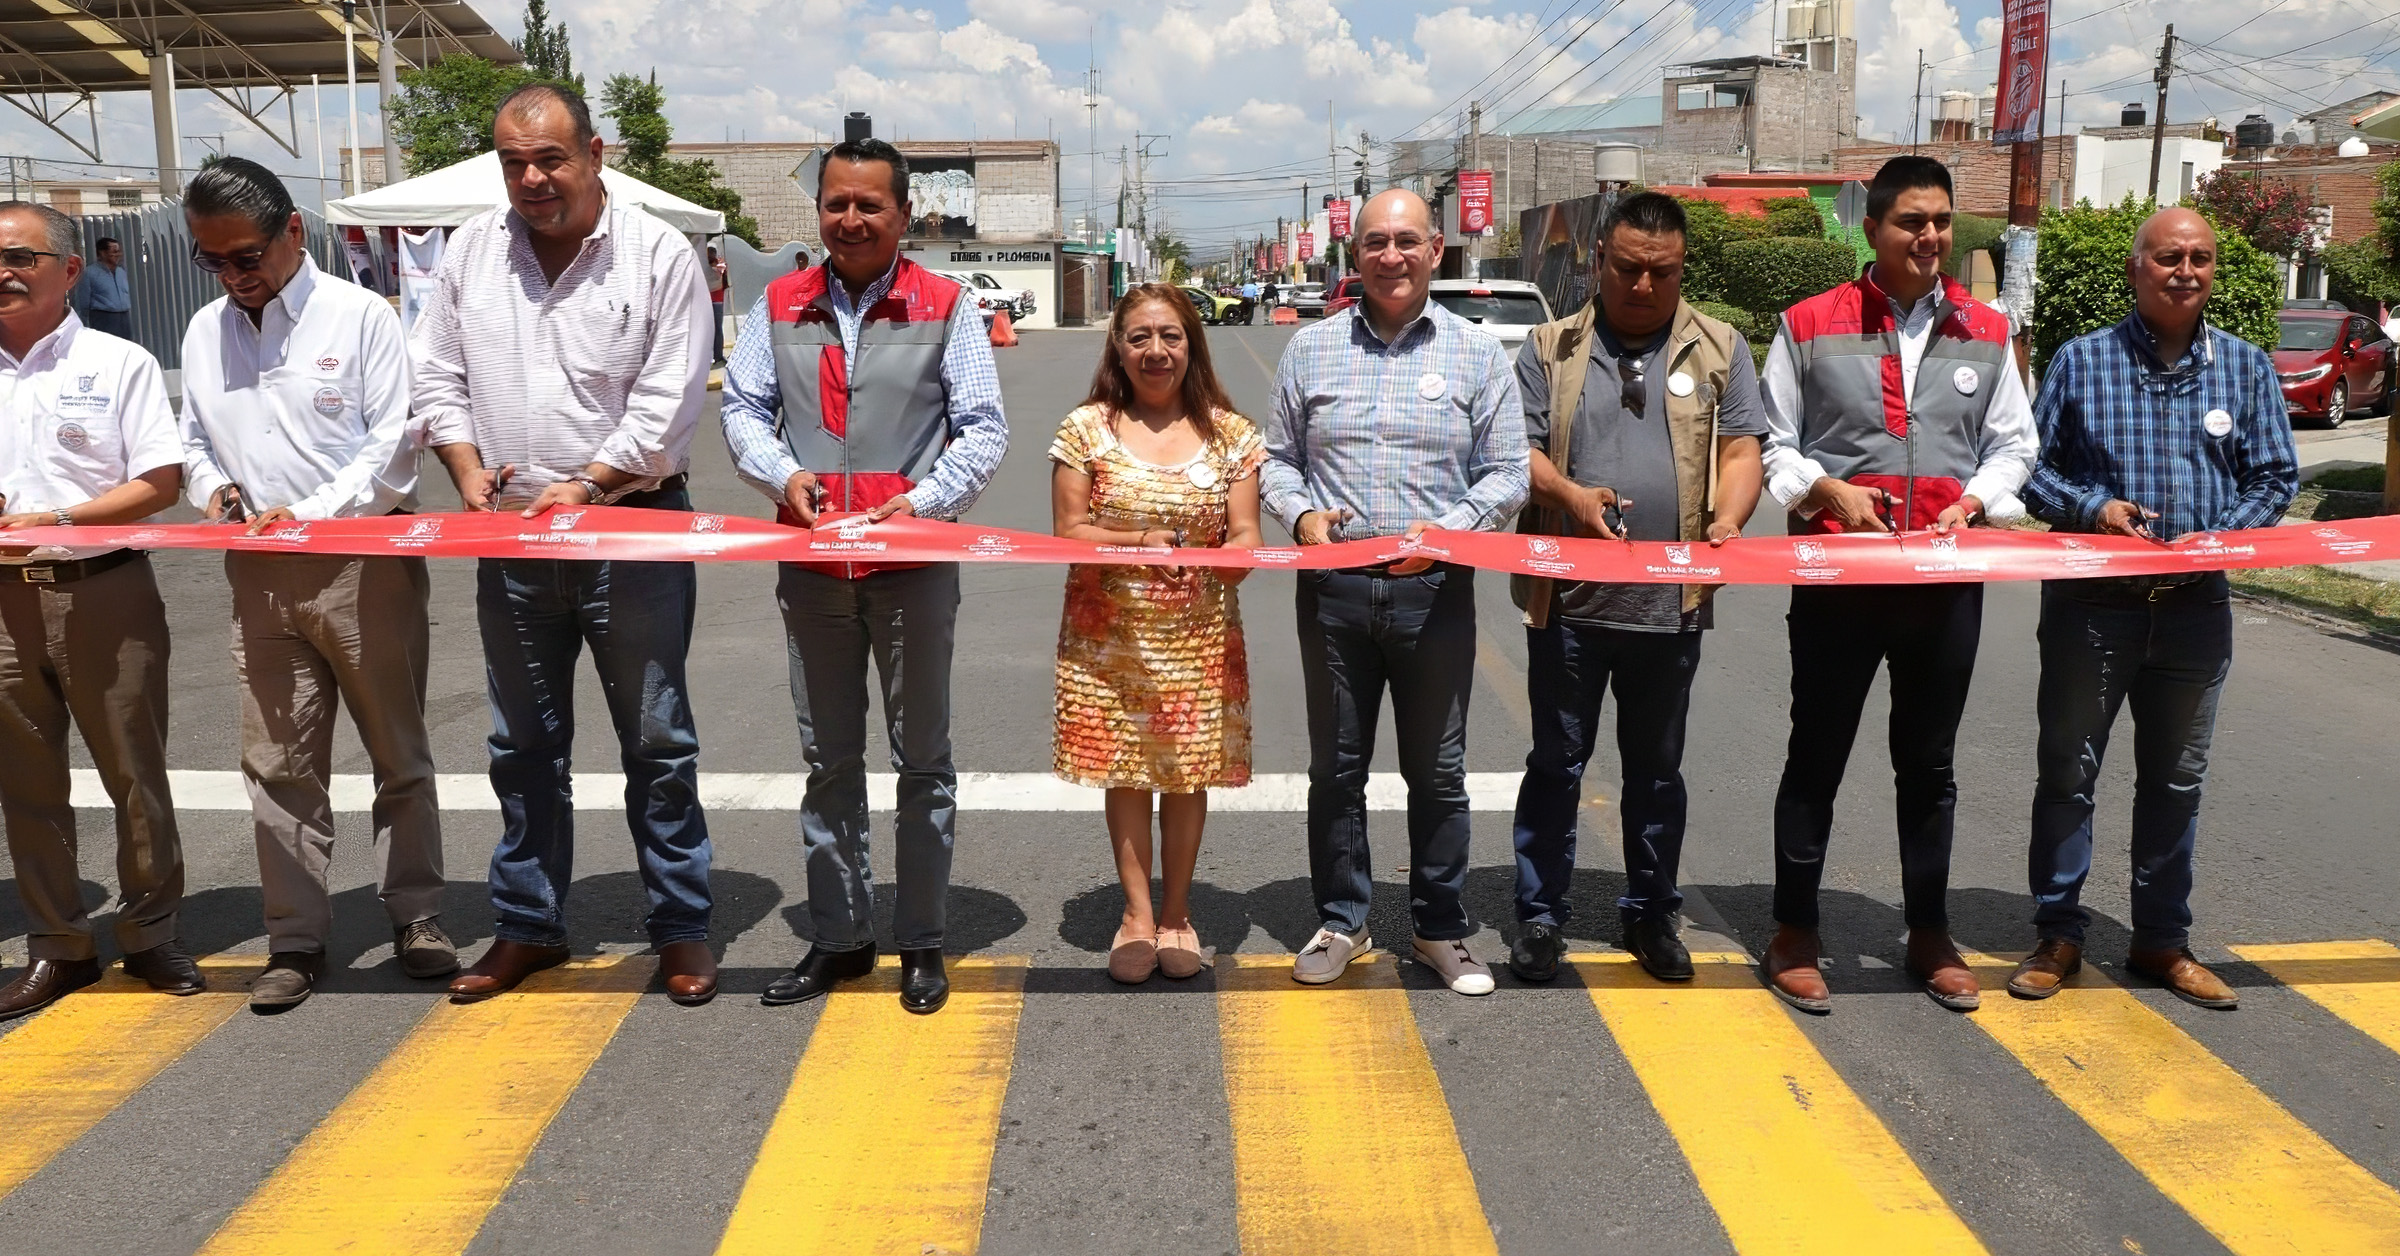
(57,55)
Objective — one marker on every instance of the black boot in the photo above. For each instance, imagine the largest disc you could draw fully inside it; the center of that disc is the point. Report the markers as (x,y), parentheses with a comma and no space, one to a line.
(1662,954)
(924,987)
(1537,952)
(816,973)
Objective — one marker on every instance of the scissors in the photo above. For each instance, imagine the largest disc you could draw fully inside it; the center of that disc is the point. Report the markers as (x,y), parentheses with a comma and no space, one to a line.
(1883,511)
(2141,522)
(1613,515)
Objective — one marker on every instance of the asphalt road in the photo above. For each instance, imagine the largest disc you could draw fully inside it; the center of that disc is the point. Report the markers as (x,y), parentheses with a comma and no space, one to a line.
(1048,1111)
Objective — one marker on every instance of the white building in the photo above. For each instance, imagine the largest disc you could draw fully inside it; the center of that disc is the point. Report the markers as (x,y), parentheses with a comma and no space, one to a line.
(2110,168)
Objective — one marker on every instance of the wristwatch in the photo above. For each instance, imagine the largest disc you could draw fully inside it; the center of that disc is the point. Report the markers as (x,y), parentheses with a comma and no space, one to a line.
(66,519)
(597,495)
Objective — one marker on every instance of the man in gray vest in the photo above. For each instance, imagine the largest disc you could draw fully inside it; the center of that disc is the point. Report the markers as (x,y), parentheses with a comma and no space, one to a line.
(867,385)
(1893,403)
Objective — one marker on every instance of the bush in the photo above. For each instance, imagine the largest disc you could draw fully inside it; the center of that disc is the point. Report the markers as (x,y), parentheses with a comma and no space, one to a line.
(2081,286)
(1794,216)
(1753,327)
(1971,234)
(1708,228)
(1767,277)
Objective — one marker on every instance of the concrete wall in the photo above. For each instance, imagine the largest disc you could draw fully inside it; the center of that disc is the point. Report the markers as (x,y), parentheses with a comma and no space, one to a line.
(2108,169)
(1016,185)
(1033,266)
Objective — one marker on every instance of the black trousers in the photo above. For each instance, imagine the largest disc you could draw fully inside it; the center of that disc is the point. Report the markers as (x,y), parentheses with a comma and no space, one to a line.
(1927,635)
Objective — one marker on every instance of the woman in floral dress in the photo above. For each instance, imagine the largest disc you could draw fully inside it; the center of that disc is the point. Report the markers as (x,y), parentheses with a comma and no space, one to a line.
(1153,684)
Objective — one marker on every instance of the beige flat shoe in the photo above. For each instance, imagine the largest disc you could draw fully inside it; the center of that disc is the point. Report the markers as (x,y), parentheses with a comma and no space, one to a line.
(1179,953)
(1130,959)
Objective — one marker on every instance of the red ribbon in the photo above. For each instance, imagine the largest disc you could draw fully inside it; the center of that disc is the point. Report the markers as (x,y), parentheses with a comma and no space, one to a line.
(1965,556)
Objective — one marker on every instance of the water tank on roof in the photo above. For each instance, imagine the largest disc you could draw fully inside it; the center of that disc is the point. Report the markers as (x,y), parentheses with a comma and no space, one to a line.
(2355,146)
(1617,163)
(2135,113)
(856,127)
(2254,132)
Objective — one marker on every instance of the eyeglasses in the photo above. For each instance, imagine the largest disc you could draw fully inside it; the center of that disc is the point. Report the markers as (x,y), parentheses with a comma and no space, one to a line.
(24,259)
(214,264)
(1634,396)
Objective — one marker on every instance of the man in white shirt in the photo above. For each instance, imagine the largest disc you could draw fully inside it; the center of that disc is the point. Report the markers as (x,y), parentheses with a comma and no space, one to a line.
(562,361)
(295,407)
(86,437)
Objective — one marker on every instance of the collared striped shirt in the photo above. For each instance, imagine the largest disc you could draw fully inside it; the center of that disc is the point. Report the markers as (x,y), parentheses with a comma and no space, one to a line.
(609,364)
(2206,443)
(1429,426)
(978,426)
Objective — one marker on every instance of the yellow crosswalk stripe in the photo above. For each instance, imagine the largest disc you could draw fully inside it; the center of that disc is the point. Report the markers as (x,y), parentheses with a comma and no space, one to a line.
(1342,1140)
(2357,981)
(2237,1161)
(414,1159)
(883,1145)
(1790,1157)
(76,1060)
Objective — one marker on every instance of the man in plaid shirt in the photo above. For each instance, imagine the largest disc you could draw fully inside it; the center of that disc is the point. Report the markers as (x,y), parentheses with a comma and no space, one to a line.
(2161,425)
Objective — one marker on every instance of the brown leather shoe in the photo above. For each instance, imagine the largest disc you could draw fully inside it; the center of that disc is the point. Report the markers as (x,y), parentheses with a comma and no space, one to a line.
(44,982)
(2043,973)
(691,971)
(502,968)
(1791,971)
(1933,959)
(2179,972)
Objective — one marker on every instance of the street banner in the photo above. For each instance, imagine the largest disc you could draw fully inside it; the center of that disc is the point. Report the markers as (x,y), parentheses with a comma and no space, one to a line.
(2024,65)
(1308,245)
(1278,255)
(1474,202)
(1337,218)
(1963,556)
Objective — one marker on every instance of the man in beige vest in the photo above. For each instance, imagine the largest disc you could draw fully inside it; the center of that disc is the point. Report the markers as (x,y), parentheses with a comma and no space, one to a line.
(1644,419)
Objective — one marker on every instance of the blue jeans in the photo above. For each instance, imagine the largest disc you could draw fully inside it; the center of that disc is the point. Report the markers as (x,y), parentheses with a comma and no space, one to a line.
(2105,643)
(906,623)
(1360,632)
(536,615)
(1569,669)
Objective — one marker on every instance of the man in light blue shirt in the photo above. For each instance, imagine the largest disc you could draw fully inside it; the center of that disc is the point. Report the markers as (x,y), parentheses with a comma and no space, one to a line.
(107,292)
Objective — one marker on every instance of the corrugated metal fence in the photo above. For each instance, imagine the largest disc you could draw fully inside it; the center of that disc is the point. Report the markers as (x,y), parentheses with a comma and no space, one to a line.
(167,288)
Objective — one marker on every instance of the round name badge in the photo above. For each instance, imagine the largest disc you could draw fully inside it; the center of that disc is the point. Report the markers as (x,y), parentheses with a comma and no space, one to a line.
(1202,475)
(1431,386)
(1966,380)
(328,401)
(72,436)
(2218,423)
(1679,384)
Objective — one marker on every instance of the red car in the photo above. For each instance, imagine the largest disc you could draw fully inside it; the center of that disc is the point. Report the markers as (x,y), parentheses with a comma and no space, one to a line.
(2333,364)
(1345,295)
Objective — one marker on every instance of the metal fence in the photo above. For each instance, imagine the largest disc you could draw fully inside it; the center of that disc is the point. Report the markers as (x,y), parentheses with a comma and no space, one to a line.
(167,288)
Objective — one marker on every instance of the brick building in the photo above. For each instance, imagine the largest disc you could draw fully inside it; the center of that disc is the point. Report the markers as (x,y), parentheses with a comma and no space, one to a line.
(1979,172)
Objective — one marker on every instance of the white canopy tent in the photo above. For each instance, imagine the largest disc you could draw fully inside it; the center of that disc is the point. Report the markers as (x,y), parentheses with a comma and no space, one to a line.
(453,194)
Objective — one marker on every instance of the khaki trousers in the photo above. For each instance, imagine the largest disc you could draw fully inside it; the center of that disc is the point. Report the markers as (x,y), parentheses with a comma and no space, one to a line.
(309,631)
(93,651)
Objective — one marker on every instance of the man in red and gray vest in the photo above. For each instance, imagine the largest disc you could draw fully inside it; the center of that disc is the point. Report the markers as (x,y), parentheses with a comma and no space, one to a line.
(1893,404)
(866,385)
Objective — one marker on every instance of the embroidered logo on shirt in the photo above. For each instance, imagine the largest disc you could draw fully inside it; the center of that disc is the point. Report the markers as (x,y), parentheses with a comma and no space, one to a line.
(72,436)
(83,383)
(328,401)
(329,365)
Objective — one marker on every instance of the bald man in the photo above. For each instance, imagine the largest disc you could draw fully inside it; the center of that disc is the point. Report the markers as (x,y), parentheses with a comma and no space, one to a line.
(2159,426)
(1391,417)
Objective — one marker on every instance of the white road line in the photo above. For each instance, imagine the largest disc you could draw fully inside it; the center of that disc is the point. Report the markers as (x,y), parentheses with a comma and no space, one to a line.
(780,791)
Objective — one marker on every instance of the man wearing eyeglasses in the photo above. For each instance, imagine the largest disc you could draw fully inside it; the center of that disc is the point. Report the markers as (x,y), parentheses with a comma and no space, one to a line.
(1644,418)
(1391,417)
(561,361)
(89,440)
(295,407)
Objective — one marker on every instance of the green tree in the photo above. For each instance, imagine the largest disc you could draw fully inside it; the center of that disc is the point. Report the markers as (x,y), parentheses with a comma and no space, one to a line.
(2270,213)
(1769,276)
(2080,283)
(1174,257)
(544,47)
(1794,216)
(444,114)
(1708,228)
(639,108)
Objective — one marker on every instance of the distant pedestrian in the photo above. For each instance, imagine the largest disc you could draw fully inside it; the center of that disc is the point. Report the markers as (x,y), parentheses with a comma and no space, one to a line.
(1153,676)
(83,634)
(1391,418)
(295,406)
(108,291)
(716,306)
(2161,424)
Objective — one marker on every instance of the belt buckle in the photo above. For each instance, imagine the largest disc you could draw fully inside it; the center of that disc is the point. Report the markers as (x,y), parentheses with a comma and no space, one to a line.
(40,575)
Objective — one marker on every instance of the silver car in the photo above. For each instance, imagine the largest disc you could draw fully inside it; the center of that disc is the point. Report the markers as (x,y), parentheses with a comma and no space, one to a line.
(1507,308)
(1306,299)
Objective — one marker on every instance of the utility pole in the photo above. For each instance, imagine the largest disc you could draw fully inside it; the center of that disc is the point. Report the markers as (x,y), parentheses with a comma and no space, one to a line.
(350,51)
(1474,162)
(2158,125)
(1916,96)
(1333,187)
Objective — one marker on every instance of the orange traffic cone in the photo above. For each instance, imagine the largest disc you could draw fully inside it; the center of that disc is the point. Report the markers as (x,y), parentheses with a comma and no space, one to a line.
(1003,335)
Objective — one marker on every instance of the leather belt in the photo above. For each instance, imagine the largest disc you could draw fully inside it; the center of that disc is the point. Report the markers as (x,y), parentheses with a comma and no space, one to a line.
(67,571)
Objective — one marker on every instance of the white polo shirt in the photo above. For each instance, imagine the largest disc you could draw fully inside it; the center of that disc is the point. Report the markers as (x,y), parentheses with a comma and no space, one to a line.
(308,409)
(84,412)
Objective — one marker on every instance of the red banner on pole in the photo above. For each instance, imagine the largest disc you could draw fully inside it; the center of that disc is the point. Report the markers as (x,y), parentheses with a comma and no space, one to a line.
(1308,245)
(1474,202)
(1337,218)
(1278,255)
(2024,65)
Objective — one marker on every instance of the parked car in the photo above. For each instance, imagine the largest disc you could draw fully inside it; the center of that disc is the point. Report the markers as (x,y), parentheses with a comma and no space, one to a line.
(1306,299)
(987,303)
(2333,363)
(1351,289)
(1216,307)
(1507,308)
(1020,300)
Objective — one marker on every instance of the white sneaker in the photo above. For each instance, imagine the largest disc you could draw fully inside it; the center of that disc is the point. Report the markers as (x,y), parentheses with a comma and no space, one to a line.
(1458,969)
(1327,954)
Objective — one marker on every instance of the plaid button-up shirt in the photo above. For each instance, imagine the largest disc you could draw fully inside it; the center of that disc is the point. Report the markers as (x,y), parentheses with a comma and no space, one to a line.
(2205,442)
(1427,427)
